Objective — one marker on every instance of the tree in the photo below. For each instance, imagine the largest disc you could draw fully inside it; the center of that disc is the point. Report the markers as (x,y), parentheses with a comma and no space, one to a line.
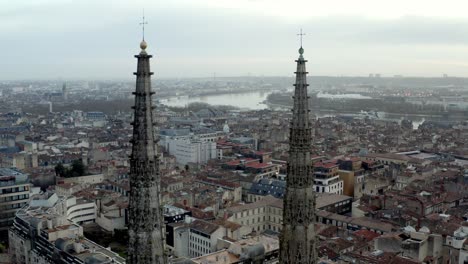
(59,170)
(77,168)
(2,248)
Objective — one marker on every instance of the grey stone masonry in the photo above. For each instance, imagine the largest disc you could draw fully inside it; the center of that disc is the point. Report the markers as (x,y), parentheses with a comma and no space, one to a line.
(145,222)
(298,238)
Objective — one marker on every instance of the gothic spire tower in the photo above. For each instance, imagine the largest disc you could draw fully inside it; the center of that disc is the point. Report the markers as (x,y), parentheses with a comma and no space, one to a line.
(145,225)
(297,245)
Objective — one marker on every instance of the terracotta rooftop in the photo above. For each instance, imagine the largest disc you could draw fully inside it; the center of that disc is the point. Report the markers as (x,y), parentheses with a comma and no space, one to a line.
(322,200)
(227,224)
(258,165)
(325,251)
(366,234)
(339,244)
(325,165)
(204,227)
(389,156)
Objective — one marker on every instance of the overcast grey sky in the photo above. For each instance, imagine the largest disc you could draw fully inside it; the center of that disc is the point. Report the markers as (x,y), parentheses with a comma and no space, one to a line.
(96,39)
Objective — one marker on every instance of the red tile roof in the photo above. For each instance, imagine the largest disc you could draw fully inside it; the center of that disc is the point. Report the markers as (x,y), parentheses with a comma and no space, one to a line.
(366,234)
(257,165)
(325,165)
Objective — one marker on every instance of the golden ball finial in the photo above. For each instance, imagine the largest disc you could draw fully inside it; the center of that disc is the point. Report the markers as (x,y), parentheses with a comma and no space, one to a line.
(143,45)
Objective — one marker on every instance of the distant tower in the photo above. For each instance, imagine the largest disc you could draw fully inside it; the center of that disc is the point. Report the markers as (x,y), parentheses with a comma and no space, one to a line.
(145,223)
(64,92)
(297,241)
(226,128)
(50,107)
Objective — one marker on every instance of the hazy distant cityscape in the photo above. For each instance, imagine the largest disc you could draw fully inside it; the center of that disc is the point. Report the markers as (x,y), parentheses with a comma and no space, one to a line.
(391,137)
(395,95)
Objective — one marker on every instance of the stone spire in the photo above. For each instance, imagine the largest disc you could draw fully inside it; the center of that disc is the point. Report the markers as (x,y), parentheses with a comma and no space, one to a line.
(145,224)
(297,241)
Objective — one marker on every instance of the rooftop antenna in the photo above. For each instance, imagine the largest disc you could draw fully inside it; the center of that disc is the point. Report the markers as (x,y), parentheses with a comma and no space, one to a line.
(143,23)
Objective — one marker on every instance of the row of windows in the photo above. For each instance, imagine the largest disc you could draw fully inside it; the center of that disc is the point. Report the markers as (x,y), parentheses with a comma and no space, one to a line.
(12,206)
(247,212)
(275,211)
(247,222)
(270,227)
(84,215)
(199,241)
(275,228)
(6,223)
(82,209)
(253,220)
(14,189)
(333,189)
(14,198)
(343,203)
(7,215)
(197,250)
(346,225)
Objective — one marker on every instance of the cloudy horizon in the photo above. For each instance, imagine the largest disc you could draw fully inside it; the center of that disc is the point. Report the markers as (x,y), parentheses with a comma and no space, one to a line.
(51,39)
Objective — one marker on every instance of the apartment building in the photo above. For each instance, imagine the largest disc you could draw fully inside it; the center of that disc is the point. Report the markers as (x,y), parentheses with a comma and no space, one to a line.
(42,234)
(327,179)
(14,194)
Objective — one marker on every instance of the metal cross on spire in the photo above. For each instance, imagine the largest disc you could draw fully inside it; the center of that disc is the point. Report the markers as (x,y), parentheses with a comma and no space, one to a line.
(301,34)
(143,23)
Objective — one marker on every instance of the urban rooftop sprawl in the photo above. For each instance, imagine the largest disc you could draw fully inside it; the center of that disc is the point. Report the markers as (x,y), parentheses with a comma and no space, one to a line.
(234,169)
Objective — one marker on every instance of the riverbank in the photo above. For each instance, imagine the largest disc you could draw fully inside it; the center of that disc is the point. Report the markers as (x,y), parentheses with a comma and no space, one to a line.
(394,106)
(259,100)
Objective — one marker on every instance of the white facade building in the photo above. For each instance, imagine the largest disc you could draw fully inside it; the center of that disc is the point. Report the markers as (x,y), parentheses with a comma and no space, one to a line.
(42,234)
(332,185)
(327,179)
(463,255)
(191,145)
(203,237)
(15,191)
(181,238)
(111,217)
(191,150)
(458,242)
(86,179)
(194,238)
(81,210)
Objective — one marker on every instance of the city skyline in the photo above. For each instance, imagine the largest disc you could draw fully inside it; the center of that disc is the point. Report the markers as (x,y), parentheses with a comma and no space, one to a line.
(271,170)
(87,40)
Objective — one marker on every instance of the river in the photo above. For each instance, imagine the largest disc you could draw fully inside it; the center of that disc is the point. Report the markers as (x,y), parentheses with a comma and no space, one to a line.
(250,100)
(254,101)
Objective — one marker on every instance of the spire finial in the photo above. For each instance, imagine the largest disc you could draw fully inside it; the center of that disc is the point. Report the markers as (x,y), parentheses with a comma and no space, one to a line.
(301,50)
(143,23)
(301,34)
